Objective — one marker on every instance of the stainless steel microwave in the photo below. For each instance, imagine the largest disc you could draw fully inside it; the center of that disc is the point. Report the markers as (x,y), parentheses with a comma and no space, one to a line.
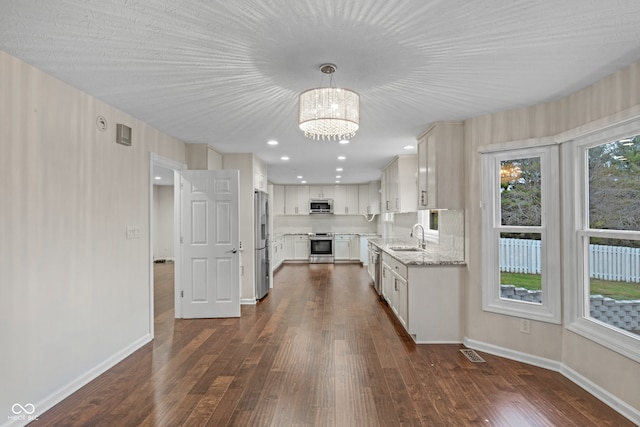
(321,206)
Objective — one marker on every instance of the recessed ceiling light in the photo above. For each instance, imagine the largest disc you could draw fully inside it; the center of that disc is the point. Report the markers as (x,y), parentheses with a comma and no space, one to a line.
(408,147)
(299,177)
(338,169)
(344,141)
(285,158)
(342,158)
(337,181)
(338,176)
(158,177)
(303,182)
(272,142)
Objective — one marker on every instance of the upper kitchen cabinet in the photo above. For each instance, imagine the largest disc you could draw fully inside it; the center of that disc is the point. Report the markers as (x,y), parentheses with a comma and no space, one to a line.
(441,166)
(345,199)
(296,200)
(278,202)
(321,192)
(399,185)
(260,175)
(369,198)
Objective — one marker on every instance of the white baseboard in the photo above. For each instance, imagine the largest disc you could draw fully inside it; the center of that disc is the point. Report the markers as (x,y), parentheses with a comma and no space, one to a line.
(84,379)
(624,409)
(248,301)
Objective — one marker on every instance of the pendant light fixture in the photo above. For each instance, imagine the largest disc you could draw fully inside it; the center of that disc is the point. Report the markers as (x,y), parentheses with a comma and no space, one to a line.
(329,113)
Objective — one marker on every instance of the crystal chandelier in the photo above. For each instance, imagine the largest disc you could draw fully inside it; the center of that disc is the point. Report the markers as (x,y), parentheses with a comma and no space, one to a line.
(327,113)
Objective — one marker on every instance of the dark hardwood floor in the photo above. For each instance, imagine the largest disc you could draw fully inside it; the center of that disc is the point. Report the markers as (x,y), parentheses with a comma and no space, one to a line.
(319,350)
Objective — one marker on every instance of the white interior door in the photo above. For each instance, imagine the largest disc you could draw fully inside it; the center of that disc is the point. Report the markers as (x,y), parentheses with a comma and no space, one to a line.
(210,272)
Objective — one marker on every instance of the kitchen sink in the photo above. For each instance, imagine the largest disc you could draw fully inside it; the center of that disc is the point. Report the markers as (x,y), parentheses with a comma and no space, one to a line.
(406,249)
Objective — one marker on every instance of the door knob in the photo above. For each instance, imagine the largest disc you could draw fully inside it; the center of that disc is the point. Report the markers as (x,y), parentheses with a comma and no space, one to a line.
(233,251)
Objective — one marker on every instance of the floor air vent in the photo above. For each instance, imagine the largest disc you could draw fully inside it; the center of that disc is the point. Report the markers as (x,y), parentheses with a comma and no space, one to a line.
(471,355)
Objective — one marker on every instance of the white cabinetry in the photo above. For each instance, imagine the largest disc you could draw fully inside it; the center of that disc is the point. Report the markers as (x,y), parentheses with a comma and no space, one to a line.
(387,282)
(297,247)
(399,184)
(259,175)
(345,199)
(441,166)
(278,252)
(425,299)
(347,247)
(278,202)
(369,198)
(321,191)
(296,199)
(371,265)
(395,291)
(401,300)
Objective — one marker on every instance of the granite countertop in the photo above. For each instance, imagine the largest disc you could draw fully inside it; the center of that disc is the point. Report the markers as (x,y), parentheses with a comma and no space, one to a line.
(294,233)
(431,255)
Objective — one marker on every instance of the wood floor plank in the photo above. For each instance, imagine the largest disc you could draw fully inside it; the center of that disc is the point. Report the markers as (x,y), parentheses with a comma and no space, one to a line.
(320,350)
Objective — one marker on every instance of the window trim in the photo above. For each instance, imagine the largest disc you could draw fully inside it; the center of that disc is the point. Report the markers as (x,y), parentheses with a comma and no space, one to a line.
(550,310)
(424,218)
(576,239)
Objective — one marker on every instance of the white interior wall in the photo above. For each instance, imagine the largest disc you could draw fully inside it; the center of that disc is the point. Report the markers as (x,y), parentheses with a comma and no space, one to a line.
(74,290)
(163,222)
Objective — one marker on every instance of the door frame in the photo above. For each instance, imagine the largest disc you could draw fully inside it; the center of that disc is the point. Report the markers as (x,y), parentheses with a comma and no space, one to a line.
(157,160)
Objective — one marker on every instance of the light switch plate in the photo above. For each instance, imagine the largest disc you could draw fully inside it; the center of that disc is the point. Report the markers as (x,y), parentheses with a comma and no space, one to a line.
(133,232)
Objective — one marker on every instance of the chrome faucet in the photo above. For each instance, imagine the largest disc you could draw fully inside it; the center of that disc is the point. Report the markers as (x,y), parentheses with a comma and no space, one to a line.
(423,244)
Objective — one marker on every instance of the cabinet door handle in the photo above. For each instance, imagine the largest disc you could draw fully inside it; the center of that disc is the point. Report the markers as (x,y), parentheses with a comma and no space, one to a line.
(395,284)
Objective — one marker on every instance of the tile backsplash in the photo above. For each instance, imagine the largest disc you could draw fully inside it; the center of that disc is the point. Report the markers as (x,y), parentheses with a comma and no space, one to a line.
(450,225)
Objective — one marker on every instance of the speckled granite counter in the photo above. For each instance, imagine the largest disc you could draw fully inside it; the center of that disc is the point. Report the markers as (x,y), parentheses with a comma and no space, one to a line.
(431,255)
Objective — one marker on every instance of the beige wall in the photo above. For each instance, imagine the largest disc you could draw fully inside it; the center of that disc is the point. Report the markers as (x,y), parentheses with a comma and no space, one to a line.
(610,96)
(244,163)
(74,291)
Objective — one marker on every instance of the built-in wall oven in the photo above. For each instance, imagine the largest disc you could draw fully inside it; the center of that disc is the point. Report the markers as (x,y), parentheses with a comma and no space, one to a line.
(321,248)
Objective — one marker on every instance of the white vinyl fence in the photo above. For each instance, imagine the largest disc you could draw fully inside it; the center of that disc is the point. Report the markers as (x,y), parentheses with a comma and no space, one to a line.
(617,263)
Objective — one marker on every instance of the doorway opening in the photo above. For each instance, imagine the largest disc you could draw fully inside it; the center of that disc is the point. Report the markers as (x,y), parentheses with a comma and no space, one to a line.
(162,237)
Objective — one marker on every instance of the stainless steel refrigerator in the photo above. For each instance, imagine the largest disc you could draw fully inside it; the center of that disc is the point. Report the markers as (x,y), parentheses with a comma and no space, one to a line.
(261,203)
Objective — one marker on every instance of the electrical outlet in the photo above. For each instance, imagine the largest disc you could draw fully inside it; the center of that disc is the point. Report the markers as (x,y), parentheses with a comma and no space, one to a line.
(525,326)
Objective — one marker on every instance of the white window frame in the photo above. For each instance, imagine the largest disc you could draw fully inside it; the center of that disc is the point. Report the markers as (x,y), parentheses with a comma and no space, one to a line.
(424,218)
(576,241)
(550,310)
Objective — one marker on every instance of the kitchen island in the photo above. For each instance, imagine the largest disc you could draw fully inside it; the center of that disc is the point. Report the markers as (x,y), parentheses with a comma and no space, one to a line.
(423,287)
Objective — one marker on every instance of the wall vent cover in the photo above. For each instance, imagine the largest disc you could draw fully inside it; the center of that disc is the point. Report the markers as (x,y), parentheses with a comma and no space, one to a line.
(123,135)
(471,355)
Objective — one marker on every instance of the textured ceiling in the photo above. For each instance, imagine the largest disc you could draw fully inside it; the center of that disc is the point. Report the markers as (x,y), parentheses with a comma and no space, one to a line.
(228,73)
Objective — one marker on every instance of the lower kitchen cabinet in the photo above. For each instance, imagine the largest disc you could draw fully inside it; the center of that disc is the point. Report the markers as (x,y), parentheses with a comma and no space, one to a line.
(277,252)
(373,254)
(346,247)
(297,247)
(425,299)
(401,303)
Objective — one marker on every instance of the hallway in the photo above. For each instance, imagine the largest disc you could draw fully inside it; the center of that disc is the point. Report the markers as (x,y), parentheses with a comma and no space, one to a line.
(319,350)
